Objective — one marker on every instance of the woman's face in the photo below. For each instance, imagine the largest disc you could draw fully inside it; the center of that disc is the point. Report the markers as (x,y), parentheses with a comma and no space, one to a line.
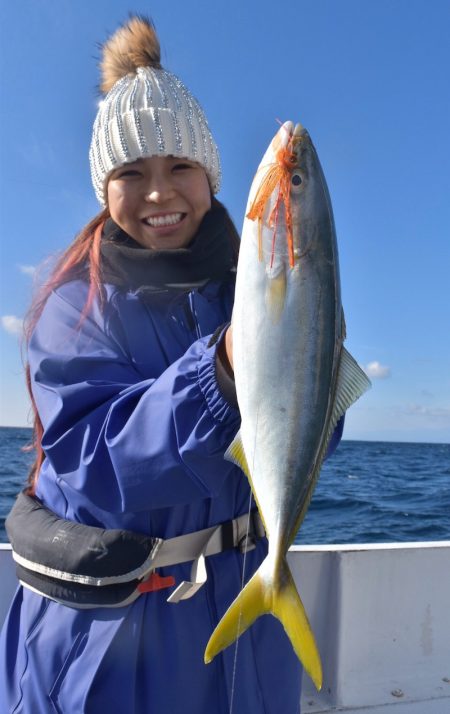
(159,201)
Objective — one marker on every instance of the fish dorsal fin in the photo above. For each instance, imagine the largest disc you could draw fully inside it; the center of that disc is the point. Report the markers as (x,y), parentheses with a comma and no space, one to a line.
(236,454)
(351,383)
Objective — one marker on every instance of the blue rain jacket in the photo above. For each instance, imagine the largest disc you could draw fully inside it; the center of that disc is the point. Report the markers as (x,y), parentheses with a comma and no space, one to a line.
(135,432)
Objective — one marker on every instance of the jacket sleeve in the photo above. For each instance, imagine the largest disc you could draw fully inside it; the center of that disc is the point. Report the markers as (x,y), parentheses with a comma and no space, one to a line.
(150,444)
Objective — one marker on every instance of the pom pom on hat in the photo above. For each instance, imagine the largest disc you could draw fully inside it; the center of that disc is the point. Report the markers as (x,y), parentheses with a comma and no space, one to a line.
(133,45)
(147,111)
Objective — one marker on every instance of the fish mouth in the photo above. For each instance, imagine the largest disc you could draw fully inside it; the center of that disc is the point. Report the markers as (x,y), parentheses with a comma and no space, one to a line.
(299,131)
(298,140)
(299,134)
(290,136)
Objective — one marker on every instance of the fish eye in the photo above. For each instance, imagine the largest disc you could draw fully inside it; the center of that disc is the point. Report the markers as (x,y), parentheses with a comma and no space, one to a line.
(296,179)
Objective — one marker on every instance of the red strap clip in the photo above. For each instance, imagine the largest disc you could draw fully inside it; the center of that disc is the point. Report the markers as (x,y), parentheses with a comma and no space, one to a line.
(156,582)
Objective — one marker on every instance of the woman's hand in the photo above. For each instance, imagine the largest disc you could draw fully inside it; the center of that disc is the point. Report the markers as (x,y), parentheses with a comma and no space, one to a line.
(225,352)
(229,345)
(224,368)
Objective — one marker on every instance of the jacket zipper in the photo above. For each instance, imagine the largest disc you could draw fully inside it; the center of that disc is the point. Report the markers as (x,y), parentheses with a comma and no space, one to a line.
(191,316)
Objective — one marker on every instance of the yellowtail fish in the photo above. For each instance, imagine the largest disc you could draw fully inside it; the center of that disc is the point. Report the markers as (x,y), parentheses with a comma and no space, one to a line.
(294,378)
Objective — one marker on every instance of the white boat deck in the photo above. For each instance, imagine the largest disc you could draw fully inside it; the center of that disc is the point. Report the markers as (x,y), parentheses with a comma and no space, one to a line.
(381,615)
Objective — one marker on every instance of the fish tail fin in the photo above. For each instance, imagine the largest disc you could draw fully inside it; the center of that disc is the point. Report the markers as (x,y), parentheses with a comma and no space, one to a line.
(278,596)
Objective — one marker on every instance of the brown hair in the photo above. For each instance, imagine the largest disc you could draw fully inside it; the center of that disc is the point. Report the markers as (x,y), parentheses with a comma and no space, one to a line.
(81,257)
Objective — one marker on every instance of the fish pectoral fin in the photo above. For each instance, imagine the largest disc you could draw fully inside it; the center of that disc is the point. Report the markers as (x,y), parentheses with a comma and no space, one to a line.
(276,295)
(236,454)
(263,595)
(352,382)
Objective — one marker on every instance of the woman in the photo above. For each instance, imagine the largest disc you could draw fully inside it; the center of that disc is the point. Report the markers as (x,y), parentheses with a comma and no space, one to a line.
(130,373)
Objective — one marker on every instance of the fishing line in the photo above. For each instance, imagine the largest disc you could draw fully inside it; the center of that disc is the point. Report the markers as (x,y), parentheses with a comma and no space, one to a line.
(233,678)
(236,646)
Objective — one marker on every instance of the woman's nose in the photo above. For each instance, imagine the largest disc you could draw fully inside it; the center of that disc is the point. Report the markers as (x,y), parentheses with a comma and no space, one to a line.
(159,190)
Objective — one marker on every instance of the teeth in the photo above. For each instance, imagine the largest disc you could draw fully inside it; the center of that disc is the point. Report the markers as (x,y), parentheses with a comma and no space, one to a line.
(169,220)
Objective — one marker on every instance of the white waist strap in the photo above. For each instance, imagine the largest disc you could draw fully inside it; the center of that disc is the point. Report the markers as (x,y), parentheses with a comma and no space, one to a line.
(242,532)
(210,541)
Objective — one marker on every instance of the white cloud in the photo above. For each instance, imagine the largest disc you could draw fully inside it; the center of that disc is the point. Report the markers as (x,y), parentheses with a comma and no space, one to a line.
(376,370)
(432,412)
(28,269)
(12,324)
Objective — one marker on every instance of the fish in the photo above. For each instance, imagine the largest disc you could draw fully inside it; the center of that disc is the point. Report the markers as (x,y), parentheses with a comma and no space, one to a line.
(294,378)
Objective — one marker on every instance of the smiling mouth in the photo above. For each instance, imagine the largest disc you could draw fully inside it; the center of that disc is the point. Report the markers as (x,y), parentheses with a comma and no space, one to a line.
(168,219)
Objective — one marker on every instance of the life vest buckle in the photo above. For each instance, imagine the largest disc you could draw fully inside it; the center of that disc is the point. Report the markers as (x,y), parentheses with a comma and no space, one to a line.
(156,582)
(188,588)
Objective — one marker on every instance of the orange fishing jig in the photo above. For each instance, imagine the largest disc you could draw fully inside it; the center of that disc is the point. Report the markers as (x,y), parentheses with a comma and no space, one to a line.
(278,175)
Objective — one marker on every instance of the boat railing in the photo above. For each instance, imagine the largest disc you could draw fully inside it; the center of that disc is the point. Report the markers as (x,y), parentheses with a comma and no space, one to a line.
(381,616)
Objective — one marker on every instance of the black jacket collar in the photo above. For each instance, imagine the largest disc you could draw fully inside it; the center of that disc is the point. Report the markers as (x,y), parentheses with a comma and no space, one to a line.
(208,257)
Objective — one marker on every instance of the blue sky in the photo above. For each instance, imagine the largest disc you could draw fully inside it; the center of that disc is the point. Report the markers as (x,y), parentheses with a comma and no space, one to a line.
(370,81)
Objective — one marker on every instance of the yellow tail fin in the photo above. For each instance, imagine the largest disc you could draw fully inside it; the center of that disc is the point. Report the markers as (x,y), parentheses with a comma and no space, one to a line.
(279,597)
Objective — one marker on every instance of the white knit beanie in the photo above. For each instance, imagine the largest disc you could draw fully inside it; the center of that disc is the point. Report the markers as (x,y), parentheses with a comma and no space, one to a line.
(147,111)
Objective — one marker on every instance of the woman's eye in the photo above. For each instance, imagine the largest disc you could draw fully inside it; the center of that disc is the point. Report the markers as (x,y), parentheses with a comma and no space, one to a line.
(182,166)
(128,172)
(296,179)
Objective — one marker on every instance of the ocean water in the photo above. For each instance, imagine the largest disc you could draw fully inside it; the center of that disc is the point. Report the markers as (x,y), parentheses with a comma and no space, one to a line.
(368,491)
